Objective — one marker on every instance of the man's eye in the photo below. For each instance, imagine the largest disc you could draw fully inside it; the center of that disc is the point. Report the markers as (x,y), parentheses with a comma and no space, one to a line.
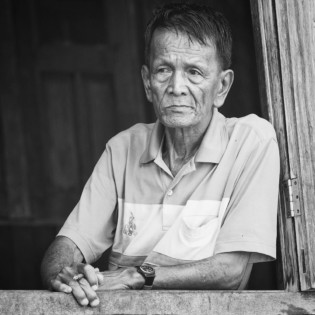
(194,72)
(163,70)
(163,73)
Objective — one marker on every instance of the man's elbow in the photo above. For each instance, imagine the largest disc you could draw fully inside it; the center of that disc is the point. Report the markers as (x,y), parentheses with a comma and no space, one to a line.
(232,280)
(232,270)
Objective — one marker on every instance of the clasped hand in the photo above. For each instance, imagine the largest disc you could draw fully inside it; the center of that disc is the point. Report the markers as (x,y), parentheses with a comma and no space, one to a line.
(84,289)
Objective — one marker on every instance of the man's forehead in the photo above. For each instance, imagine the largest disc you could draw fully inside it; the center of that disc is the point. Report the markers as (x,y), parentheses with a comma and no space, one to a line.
(174,39)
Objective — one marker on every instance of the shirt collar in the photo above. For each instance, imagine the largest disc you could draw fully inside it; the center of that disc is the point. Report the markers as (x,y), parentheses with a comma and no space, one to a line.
(211,148)
(155,141)
(215,140)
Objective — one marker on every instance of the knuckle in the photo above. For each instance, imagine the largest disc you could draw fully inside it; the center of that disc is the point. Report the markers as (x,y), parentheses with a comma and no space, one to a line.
(72,283)
(85,286)
(66,269)
(83,282)
(78,293)
(87,268)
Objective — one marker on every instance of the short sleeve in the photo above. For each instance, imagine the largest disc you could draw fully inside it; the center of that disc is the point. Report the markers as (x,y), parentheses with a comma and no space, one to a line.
(250,222)
(91,224)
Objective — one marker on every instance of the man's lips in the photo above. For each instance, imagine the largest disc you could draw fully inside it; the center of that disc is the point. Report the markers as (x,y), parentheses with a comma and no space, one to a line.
(179,106)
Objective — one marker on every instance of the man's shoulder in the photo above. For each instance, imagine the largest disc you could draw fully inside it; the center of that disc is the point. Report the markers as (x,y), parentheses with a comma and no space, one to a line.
(136,135)
(252,124)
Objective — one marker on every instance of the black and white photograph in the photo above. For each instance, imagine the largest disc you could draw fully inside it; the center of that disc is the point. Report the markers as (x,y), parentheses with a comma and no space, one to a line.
(157,157)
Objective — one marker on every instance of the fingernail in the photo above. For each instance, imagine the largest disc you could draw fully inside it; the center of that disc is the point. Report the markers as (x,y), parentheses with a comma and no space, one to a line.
(85,302)
(100,276)
(94,287)
(95,302)
(68,290)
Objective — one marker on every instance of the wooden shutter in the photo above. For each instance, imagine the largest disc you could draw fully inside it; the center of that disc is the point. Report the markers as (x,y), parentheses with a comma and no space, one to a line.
(284,37)
(71,80)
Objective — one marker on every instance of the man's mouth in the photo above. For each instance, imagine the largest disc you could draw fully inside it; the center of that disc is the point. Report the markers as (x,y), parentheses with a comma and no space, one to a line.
(179,106)
(180,109)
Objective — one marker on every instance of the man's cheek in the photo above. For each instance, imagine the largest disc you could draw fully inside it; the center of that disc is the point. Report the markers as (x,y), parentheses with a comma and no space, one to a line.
(160,97)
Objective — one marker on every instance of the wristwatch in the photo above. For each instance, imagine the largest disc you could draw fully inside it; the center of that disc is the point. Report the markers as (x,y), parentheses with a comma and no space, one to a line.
(148,273)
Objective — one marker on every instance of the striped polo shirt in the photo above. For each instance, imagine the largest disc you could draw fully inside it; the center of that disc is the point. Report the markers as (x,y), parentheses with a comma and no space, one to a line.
(223,200)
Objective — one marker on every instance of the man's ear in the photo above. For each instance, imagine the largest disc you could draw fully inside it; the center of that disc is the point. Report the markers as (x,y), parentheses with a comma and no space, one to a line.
(226,80)
(145,73)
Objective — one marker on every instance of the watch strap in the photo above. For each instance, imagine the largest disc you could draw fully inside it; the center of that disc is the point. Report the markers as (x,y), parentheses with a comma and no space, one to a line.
(148,278)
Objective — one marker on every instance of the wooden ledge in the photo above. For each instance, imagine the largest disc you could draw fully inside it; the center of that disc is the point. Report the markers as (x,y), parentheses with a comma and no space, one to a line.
(161,302)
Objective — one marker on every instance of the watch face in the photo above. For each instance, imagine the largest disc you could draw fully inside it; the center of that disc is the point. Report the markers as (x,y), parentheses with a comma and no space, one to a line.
(147,270)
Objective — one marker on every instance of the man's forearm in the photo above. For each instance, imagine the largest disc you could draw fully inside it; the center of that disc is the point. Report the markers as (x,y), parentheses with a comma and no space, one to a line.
(61,253)
(222,271)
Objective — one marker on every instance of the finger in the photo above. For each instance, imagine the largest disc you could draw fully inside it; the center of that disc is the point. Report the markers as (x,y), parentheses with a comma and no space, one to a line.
(78,277)
(77,291)
(68,270)
(89,292)
(100,278)
(60,287)
(89,274)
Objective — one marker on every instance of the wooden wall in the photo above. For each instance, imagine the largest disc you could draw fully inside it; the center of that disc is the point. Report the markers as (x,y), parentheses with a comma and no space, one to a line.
(70,80)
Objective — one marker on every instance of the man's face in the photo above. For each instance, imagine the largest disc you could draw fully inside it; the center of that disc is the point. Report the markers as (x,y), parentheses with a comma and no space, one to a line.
(183,80)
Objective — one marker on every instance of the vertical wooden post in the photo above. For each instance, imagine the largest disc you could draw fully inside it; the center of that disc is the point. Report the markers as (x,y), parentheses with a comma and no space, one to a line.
(284,41)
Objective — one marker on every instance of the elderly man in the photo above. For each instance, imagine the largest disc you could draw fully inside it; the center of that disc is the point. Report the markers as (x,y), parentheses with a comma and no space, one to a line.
(188,202)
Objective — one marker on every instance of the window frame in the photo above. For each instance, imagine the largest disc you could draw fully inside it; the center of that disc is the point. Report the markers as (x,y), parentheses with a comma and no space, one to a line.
(284,41)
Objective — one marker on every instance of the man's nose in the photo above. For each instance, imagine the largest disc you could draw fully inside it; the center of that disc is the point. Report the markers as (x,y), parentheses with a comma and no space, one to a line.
(177,84)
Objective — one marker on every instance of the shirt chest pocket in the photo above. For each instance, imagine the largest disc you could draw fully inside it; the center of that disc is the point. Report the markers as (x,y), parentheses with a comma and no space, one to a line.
(194,233)
(200,217)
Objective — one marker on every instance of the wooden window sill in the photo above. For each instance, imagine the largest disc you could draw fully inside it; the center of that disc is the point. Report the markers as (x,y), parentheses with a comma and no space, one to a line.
(161,302)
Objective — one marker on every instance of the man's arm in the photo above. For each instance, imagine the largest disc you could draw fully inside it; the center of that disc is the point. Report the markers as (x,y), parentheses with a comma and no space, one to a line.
(62,261)
(220,272)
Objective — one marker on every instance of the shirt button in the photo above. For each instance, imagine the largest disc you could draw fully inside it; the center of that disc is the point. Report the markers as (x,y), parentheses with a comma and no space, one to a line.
(170,192)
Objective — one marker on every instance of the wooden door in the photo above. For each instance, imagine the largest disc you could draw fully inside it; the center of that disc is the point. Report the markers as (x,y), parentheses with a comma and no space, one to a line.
(70,79)
(79,86)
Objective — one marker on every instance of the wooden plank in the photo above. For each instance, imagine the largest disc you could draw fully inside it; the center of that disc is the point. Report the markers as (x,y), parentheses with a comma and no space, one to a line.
(129,93)
(313,29)
(14,151)
(70,58)
(7,251)
(103,115)
(270,83)
(23,246)
(82,126)
(95,118)
(61,159)
(29,244)
(161,302)
(295,25)
(292,70)
(26,54)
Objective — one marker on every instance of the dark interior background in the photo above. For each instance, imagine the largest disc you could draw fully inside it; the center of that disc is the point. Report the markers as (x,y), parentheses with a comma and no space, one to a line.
(70,80)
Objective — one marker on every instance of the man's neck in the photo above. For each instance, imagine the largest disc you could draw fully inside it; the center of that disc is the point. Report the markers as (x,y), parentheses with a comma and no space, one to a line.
(180,145)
